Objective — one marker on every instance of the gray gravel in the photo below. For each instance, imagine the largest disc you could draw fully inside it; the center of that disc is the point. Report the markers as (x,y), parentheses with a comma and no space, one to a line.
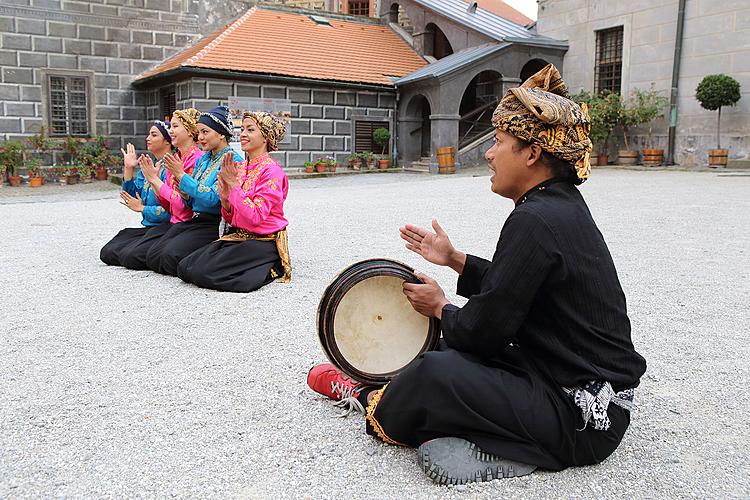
(119,383)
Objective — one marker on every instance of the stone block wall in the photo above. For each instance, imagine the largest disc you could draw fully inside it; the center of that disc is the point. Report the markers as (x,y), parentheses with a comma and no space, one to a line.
(108,41)
(322,117)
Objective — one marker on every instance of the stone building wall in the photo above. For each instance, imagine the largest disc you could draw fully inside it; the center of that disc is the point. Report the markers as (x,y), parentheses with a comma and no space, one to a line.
(716,40)
(323,116)
(108,41)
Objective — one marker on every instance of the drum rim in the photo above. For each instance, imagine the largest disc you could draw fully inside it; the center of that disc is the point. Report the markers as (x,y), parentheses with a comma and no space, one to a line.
(332,297)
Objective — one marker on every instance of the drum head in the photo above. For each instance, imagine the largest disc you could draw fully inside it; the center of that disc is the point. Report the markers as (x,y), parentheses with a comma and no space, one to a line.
(366,325)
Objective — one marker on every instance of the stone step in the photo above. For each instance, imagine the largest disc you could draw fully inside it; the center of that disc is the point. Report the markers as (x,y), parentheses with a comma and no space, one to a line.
(738,163)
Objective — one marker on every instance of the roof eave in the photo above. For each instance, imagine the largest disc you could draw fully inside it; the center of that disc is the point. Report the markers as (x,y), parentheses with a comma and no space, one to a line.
(188,71)
(547,43)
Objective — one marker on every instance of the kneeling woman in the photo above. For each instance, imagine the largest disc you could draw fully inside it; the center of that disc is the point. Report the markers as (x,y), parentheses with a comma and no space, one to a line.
(183,131)
(253,250)
(199,188)
(138,195)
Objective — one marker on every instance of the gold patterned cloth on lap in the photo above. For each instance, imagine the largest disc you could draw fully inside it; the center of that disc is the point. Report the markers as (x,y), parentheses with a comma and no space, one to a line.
(282,246)
(542,112)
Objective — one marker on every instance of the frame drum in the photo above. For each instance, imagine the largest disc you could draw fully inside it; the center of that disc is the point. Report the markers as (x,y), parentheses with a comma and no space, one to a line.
(367,327)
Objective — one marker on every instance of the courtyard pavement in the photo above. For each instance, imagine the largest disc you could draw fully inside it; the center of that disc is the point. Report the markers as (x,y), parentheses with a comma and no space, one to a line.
(117,383)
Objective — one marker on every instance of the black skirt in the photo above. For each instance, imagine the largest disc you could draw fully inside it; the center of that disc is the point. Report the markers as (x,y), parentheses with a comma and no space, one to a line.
(110,253)
(181,240)
(507,407)
(133,256)
(232,266)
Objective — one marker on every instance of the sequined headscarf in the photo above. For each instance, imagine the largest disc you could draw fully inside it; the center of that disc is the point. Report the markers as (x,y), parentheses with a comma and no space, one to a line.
(271,126)
(189,119)
(542,112)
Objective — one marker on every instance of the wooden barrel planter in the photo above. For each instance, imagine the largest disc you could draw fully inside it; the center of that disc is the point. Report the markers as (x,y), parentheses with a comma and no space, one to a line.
(653,157)
(718,157)
(627,157)
(446,161)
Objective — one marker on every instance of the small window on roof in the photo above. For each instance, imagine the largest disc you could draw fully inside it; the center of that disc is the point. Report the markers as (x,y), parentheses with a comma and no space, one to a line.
(321,20)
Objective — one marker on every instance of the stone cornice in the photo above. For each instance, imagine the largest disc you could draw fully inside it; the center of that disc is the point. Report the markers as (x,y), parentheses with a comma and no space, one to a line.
(190,21)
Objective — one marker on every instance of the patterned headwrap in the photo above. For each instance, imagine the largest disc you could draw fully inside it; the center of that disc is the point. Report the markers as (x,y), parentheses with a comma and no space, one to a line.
(271,126)
(219,119)
(541,112)
(189,118)
(163,127)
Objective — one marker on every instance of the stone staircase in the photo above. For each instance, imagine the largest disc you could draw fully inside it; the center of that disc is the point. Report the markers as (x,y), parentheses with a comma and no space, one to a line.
(422,165)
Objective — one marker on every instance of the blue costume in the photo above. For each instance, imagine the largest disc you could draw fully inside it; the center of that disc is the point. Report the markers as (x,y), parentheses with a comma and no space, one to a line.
(201,189)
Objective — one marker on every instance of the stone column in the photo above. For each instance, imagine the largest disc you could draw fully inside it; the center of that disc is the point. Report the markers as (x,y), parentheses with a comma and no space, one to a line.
(444,135)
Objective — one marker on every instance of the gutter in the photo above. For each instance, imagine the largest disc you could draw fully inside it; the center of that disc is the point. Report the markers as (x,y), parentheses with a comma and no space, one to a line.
(188,71)
(675,83)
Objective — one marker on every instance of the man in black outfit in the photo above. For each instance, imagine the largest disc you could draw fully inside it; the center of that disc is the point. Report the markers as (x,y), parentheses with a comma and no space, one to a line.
(538,368)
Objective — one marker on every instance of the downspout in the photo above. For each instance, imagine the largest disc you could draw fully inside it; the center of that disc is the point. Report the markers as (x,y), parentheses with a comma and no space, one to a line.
(675,82)
(394,135)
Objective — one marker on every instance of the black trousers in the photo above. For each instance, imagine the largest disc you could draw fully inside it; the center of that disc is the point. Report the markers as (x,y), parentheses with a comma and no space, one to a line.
(133,256)
(232,266)
(181,240)
(110,253)
(507,407)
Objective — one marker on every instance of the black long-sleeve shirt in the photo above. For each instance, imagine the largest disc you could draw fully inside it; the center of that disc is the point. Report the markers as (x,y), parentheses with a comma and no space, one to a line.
(552,289)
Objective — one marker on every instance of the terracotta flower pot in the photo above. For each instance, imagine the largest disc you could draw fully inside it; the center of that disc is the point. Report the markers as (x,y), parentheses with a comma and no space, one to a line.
(36,182)
(332,168)
(14,180)
(320,167)
(602,159)
(383,164)
(102,174)
(309,169)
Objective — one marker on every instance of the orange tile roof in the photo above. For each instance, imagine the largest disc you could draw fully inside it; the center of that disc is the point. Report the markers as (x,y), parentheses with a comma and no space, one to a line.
(292,44)
(502,9)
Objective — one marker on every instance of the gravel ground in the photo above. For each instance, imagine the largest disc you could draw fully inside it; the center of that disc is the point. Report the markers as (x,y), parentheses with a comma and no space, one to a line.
(120,383)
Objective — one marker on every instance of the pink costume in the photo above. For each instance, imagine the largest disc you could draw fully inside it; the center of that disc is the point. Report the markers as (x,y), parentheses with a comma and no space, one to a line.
(170,198)
(257,204)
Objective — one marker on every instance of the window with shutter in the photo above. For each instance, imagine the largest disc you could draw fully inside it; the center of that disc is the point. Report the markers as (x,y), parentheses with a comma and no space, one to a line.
(363,140)
(167,102)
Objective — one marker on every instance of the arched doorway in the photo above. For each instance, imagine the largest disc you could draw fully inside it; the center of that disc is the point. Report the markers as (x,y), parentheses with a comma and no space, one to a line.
(436,44)
(477,104)
(418,135)
(532,67)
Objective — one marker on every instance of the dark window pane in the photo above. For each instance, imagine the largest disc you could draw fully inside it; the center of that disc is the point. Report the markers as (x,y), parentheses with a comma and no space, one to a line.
(68,105)
(608,67)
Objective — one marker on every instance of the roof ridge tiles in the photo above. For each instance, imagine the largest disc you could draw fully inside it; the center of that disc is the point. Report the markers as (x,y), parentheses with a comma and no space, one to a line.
(228,31)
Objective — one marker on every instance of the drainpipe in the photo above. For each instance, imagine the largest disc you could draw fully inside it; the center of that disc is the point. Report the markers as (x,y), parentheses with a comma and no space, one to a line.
(675,82)
(394,135)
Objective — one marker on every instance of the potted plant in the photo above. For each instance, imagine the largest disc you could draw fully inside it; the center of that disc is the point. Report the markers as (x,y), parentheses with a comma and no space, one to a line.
(35,172)
(644,106)
(384,162)
(605,113)
(12,159)
(2,175)
(71,174)
(382,137)
(72,147)
(354,160)
(309,166)
(331,164)
(84,173)
(715,92)
(366,159)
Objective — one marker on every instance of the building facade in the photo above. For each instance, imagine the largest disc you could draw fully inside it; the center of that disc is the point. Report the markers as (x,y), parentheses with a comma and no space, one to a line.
(623,46)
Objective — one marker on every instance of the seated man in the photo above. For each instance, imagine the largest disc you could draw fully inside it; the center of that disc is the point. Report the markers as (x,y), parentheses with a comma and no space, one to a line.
(538,368)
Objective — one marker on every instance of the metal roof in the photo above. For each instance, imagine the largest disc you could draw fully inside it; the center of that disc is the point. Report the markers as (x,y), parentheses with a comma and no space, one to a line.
(481,20)
(452,63)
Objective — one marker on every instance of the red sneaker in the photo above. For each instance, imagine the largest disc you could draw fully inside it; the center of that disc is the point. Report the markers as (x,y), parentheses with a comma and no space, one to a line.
(327,380)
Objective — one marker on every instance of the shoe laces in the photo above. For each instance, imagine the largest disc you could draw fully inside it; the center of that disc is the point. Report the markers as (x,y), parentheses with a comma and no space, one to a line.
(345,388)
(350,405)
